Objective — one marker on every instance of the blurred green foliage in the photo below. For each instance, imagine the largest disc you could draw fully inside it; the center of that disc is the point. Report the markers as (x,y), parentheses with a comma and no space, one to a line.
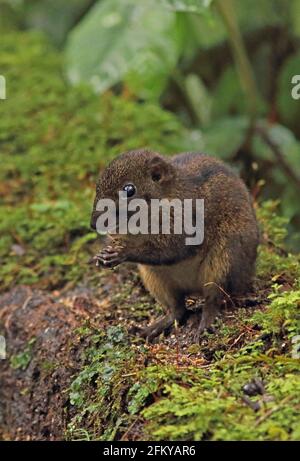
(54,140)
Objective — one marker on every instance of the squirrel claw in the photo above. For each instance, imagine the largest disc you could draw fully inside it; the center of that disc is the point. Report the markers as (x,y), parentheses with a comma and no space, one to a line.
(204,326)
(108,257)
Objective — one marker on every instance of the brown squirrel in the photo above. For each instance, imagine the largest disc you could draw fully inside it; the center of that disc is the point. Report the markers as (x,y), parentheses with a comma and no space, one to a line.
(170,269)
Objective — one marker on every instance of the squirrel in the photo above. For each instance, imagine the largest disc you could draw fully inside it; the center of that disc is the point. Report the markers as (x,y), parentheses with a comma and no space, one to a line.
(171,270)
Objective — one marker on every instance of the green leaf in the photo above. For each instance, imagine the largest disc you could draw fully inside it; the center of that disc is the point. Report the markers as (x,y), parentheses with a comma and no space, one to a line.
(188,6)
(228,95)
(290,149)
(269,12)
(285,139)
(9,18)
(225,137)
(199,97)
(229,98)
(201,31)
(124,40)
(295,16)
(54,17)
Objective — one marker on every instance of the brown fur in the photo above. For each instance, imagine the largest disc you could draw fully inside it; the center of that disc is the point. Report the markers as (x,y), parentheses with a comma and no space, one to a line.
(169,268)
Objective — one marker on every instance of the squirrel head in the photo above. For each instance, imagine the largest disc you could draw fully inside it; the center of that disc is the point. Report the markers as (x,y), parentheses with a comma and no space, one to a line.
(138,174)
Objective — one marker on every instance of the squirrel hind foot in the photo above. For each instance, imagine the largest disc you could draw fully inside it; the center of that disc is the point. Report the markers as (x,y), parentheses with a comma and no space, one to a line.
(206,323)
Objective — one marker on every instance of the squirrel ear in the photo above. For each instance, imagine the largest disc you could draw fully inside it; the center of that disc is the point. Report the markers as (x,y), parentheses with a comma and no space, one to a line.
(160,170)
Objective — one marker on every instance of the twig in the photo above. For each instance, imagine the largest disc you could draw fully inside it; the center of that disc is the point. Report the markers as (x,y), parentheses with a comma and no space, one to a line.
(236,340)
(272,410)
(129,429)
(223,291)
(25,304)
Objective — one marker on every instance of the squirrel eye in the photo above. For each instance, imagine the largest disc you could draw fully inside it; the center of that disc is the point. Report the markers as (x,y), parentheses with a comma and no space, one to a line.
(129,189)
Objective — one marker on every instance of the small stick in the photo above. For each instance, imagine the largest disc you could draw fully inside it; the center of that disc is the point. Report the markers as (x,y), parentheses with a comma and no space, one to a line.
(223,291)
(272,410)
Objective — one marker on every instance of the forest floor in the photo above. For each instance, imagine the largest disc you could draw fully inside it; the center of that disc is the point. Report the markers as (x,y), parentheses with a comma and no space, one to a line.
(46,340)
(70,356)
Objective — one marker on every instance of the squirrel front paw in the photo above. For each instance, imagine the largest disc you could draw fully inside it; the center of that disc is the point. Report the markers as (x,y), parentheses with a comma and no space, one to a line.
(108,257)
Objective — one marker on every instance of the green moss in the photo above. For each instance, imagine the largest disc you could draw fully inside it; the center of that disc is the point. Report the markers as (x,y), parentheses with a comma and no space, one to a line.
(274,261)
(110,361)
(283,314)
(23,359)
(209,403)
(212,406)
(193,402)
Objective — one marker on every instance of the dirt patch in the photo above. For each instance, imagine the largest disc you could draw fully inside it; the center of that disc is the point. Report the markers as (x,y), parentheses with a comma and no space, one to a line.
(44,350)
(39,329)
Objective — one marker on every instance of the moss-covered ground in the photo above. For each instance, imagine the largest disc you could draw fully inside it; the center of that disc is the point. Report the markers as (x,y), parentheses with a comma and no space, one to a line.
(241,382)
